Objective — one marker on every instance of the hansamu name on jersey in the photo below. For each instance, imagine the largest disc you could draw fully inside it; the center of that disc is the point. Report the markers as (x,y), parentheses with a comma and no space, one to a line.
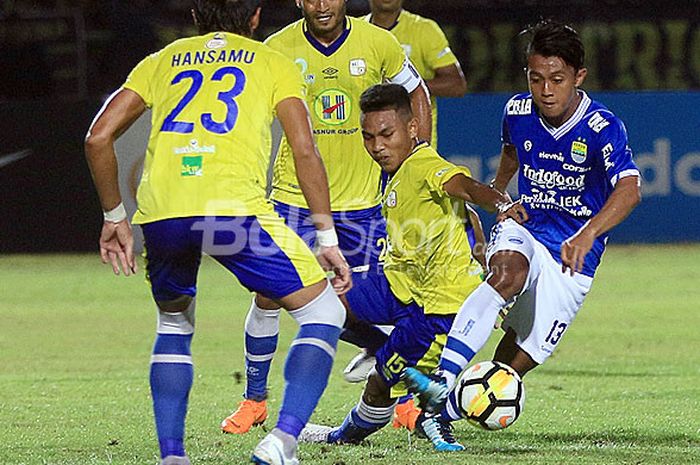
(213,99)
(566,173)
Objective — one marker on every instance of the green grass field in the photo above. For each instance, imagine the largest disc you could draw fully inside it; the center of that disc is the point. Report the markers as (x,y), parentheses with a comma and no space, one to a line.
(75,341)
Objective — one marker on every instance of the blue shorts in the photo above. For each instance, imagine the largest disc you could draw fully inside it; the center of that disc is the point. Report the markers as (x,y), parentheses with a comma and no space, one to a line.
(417,339)
(361,233)
(261,251)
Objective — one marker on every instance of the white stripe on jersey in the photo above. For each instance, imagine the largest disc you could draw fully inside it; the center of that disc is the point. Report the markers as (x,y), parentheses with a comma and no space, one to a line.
(624,174)
(578,115)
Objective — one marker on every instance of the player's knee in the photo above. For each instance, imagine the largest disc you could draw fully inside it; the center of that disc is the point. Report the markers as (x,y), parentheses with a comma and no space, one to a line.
(324,309)
(176,316)
(508,272)
(377,393)
(262,321)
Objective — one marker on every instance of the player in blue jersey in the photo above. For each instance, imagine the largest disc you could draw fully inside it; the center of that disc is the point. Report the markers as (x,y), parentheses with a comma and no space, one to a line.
(213,97)
(577,181)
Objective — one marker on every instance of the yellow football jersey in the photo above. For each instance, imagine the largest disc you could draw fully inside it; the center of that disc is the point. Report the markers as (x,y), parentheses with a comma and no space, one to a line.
(213,99)
(429,259)
(335,77)
(427,47)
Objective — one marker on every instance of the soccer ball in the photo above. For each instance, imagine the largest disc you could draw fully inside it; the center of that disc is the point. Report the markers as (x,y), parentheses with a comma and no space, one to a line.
(490,395)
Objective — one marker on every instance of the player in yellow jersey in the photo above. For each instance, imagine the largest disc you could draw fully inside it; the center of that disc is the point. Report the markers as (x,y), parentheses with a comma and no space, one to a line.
(213,97)
(339,57)
(429,268)
(427,47)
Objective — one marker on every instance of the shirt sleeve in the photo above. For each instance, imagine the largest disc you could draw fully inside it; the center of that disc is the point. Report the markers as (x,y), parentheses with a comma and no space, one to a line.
(438,53)
(139,79)
(288,79)
(397,68)
(440,173)
(616,152)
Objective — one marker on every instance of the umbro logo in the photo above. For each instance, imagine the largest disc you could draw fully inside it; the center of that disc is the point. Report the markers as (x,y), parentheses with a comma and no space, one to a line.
(330,73)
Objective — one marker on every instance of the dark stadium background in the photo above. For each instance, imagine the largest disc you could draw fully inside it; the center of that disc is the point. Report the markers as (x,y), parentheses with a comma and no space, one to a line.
(59,59)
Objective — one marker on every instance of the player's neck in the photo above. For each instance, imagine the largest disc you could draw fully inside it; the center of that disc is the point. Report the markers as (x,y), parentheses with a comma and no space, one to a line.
(327,38)
(555,123)
(385,20)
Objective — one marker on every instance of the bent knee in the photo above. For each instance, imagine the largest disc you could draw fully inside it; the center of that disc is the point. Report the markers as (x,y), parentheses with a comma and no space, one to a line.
(177,305)
(508,273)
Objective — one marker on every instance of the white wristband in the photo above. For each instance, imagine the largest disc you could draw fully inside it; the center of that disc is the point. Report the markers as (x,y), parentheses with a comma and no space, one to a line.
(116,215)
(327,238)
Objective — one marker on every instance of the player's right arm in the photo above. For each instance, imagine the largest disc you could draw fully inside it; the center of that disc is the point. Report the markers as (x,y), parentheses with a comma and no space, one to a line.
(294,118)
(507,167)
(116,116)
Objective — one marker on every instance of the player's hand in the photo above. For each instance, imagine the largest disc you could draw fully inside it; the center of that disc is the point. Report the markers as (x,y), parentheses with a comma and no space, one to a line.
(574,250)
(117,247)
(513,210)
(332,259)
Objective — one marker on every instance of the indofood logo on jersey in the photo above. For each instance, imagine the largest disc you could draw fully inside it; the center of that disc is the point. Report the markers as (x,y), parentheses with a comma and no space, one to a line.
(579,151)
(333,106)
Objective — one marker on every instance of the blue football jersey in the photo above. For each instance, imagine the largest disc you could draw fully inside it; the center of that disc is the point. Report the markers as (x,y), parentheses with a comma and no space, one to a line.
(566,173)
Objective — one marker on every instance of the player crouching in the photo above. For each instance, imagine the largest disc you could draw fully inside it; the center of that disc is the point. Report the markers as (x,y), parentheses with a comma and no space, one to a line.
(429,269)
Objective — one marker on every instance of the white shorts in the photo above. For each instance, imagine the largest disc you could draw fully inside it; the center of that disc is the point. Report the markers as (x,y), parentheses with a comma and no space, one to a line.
(549,300)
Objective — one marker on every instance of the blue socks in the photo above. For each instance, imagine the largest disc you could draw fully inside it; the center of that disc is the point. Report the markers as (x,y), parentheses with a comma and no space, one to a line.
(306,372)
(171,380)
(362,421)
(261,334)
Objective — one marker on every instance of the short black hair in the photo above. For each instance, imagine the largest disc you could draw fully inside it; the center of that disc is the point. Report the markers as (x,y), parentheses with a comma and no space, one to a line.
(225,15)
(551,38)
(383,97)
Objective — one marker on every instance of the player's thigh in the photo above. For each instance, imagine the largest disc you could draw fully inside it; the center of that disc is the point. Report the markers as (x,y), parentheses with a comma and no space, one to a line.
(541,315)
(370,300)
(273,260)
(362,238)
(299,221)
(416,341)
(173,256)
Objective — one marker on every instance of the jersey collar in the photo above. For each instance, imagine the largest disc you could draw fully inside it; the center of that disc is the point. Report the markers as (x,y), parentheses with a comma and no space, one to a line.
(578,115)
(333,47)
(391,28)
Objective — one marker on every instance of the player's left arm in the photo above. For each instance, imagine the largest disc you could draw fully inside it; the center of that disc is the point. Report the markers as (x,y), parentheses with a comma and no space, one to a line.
(623,175)
(117,114)
(449,81)
(398,69)
(470,190)
(624,198)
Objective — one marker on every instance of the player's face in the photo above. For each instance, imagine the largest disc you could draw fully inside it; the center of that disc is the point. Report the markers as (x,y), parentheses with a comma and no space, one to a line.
(553,84)
(325,18)
(389,139)
(386,6)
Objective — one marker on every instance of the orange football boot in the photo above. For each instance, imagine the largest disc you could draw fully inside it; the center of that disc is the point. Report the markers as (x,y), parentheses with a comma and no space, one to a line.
(248,414)
(405,415)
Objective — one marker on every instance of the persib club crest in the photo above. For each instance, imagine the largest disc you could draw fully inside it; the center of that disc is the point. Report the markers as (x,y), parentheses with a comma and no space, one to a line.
(333,106)
(579,151)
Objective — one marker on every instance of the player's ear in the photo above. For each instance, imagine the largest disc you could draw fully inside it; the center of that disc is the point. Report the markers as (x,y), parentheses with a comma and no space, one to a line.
(581,76)
(254,20)
(413,127)
(298,2)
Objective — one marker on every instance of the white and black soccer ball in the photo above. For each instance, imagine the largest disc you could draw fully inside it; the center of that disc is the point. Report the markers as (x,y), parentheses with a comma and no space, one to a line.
(490,395)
